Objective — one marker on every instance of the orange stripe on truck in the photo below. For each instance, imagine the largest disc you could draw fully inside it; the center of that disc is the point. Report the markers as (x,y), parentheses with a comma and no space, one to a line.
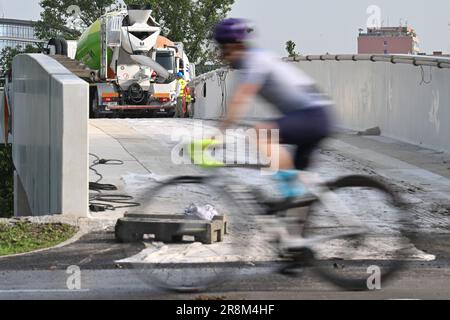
(161,95)
(110,95)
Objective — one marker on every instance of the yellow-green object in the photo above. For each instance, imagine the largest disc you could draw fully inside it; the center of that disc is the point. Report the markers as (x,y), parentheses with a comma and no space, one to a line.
(182,83)
(89,47)
(197,151)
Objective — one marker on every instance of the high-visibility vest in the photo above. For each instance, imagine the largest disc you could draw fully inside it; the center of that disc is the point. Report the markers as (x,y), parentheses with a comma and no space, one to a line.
(187,91)
(182,83)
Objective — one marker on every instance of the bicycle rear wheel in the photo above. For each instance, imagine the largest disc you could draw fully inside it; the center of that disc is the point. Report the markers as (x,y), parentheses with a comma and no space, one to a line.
(180,261)
(347,257)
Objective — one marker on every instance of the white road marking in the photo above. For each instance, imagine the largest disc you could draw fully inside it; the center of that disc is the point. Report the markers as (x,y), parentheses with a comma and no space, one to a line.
(43,291)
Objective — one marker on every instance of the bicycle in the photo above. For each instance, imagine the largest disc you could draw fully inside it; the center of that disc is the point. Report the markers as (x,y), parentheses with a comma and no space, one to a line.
(329,231)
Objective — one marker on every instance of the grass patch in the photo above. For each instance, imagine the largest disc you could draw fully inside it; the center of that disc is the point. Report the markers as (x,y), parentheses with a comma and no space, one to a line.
(21,237)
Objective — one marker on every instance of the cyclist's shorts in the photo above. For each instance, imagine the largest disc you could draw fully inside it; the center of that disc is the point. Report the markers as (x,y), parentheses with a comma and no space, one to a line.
(305,128)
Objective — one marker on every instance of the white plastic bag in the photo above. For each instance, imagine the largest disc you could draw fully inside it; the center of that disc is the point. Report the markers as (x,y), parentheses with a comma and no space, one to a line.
(207,212)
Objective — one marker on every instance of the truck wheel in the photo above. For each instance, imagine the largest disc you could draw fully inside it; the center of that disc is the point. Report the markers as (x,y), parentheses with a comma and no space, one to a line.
(56,42)
(93,105)
(64,47)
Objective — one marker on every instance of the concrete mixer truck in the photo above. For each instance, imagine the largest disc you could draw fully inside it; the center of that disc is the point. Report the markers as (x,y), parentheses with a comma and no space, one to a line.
(132,68)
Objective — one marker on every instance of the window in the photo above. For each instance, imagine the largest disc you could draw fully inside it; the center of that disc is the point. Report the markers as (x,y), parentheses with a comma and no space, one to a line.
(166,59)
(15,34)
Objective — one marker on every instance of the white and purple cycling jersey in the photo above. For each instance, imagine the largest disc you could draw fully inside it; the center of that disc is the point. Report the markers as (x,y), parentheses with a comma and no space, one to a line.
(306,119)
(283,85)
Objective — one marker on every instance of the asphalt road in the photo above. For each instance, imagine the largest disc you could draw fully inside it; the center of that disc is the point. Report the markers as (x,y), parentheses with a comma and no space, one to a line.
(44,276)
(417,283)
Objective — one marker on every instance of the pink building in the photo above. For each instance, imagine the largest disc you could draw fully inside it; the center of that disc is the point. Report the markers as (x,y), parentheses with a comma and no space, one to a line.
(388,40)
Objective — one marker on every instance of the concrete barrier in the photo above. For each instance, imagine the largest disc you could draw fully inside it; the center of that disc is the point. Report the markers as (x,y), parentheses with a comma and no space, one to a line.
(213,92)
(50,138)
(408,101)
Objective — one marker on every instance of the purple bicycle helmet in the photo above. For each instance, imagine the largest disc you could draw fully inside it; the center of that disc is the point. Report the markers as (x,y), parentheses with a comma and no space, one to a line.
(232,31)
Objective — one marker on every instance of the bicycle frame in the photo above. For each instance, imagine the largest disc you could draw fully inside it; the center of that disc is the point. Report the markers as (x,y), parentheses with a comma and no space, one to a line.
(313,182)
(318,188)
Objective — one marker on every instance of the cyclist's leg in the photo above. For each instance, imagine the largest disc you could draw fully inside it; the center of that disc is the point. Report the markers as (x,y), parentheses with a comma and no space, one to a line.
(285,161)
(315,128)
(304,128)
(302,160)
(304,154)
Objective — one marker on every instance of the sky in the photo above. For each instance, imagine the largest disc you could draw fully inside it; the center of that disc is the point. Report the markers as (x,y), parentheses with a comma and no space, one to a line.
(318,26)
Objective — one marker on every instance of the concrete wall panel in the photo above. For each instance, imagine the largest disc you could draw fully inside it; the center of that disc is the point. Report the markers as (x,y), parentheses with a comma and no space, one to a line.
(409,103)
(50,150)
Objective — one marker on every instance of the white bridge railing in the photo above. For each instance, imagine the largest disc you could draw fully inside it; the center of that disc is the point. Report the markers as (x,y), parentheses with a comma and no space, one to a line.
(407,96)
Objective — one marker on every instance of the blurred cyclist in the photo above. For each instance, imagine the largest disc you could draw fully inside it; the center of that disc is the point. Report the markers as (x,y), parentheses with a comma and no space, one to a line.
(305,122)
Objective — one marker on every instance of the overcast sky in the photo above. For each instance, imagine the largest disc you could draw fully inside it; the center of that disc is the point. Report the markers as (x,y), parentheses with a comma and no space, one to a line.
(316,26)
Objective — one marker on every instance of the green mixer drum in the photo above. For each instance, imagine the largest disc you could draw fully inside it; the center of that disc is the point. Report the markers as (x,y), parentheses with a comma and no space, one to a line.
(89,47)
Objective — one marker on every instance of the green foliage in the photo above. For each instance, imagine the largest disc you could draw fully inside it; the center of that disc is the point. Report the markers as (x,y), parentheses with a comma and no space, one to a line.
(6,181)
(23,236)
(290,48)
(190,22)
(205,68)
(58,21)
(187,21)
(7,55)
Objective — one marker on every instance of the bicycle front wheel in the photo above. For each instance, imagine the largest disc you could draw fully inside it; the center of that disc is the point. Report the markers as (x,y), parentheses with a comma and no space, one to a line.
(191,254)
(360,225)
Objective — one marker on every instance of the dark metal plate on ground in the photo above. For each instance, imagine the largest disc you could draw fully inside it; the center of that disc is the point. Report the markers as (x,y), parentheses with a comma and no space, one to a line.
(170,228)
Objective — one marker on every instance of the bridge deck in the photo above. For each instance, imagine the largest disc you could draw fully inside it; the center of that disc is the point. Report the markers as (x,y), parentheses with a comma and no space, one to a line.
(145,146)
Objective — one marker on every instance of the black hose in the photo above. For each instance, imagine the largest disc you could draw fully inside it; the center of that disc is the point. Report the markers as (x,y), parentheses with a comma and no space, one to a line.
(102,201)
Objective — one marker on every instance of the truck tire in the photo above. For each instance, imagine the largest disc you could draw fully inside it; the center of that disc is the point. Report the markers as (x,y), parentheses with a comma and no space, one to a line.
(58,45)
(93,103)
(171,114)
(64,47)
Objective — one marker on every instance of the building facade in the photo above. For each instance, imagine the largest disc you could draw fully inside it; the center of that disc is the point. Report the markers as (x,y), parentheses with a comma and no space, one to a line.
(388,40)
(15,33)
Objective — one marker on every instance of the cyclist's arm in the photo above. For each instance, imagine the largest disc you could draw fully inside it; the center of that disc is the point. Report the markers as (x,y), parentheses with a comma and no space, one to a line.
(240,103)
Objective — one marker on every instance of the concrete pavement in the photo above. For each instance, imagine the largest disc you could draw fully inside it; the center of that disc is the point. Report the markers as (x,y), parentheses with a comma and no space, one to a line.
(145,147)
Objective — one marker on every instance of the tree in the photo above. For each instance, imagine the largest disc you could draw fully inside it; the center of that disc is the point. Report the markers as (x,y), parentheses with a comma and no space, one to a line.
(6,181)
(290,48)
(187,21)
(7,55)
(69,18)
(190,22)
